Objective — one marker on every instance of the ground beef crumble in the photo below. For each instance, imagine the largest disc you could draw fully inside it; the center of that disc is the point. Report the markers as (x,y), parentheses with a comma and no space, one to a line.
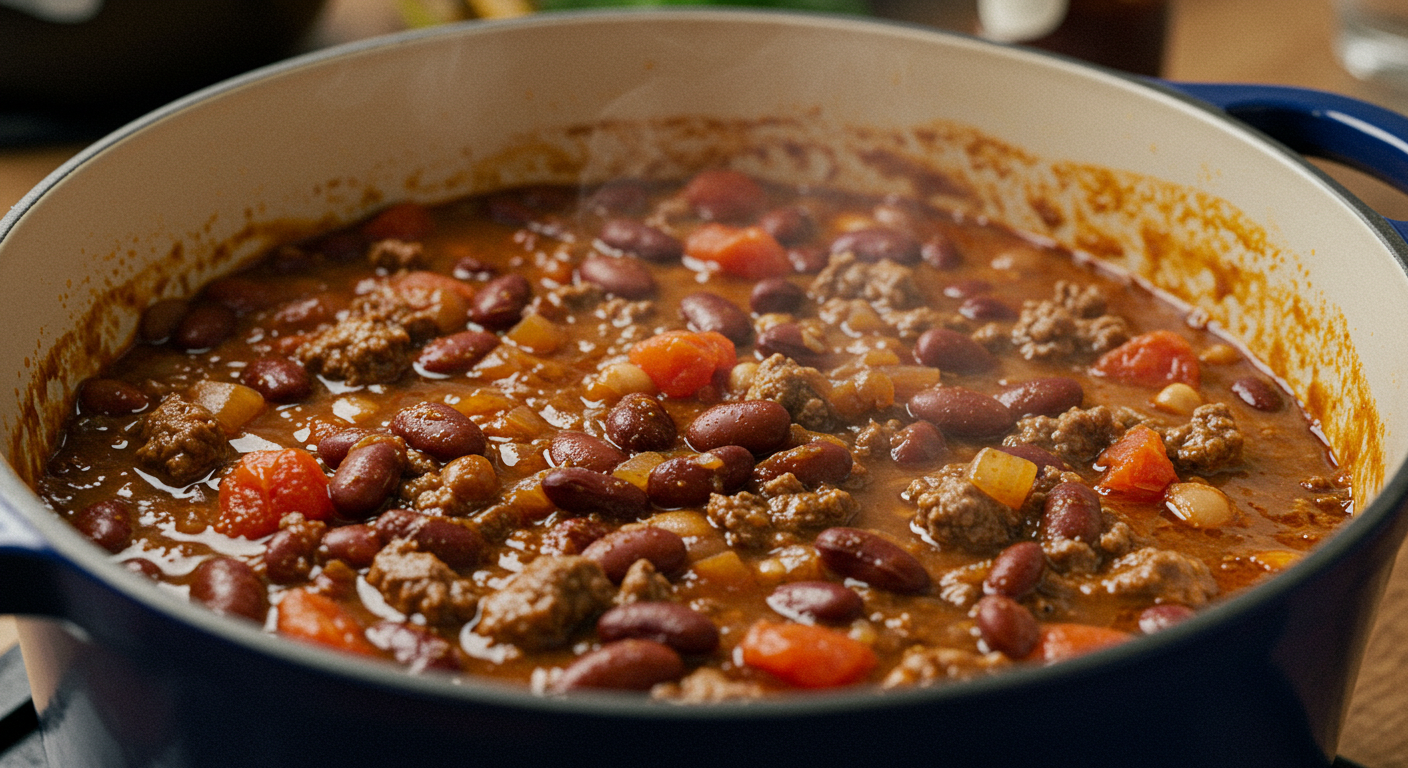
(643,584)
(1161,575)
(883,283)
(707,686)
(545,603)
(1208,443)
(801,390)
(1078,435)
(418,582)
(954,512)
(182,441)
(784,508)
(924,665)
(358,351)
(1072,322)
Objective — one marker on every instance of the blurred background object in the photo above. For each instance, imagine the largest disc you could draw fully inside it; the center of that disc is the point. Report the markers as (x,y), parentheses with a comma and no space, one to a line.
(1372,40)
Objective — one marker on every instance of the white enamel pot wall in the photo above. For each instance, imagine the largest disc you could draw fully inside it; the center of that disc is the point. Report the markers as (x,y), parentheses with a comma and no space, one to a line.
(1196,204)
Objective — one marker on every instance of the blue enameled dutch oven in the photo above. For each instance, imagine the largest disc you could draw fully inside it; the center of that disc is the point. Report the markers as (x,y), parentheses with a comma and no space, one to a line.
(127,674)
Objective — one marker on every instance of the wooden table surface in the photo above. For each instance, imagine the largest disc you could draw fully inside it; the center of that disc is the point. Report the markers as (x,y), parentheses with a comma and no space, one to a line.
(1257,41)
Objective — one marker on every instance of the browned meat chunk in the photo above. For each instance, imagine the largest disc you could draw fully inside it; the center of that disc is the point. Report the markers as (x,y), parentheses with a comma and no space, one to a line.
(1162,576)
(1070,322)
(464,486)
(417,312)
(544,604)
(419,582)
(182,441)
(1209,442)
(955,513)
(1078,435)
(785,508)
(359,351)
(885,284)
(643,584)
(707,686)
(394,255)
(874,439)
(924,665)
(801,390)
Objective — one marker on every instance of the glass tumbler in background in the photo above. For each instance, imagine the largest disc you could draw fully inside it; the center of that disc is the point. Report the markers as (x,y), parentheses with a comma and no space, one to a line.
(1372,40)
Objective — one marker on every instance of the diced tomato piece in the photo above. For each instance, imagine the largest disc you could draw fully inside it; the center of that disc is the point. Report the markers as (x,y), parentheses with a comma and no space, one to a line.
(1151,360)
(320,619)
(807,656)
(1137,466)
(682,362)
(403,221)
(1065,641)
(748,252)
(265,486)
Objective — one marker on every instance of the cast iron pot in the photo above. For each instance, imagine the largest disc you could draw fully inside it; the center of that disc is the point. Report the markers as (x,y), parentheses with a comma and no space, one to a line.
(1200,206)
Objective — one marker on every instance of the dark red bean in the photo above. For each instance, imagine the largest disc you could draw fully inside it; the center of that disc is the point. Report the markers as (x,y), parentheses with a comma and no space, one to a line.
(439,430)
(471,268)
(414,647)
(203,327)
(617,552)
(355,545)
(986,308)
(626,197)
(966,288)
(737,468)
(1258,394)
(817,601)
(640,240)
(625,665)
(1016,570)
(397,524)
(143,566)
(571,536)
(776,294)
(1157,618)
(342,246)
(950,350)
(229,586)
(499,303)
(817,462)
(876,243)
(871,558)
(240,294)
(624,277)
(684,629)
(788,226)
(682,482)
(579,449)
(106,523)
(1071,511)
(640,423)
(333,448)
(459,546)
(457,352)
(786,339)
(111,397)
(1042,397)
(1036,455)
(584,492)
(712,312)
(290,553)
(1007,626)
(278,379)
(724,195)
(917,445)
(366,478)
(960,412)
(160,320)
(807,259)
(761,426)
(940,253)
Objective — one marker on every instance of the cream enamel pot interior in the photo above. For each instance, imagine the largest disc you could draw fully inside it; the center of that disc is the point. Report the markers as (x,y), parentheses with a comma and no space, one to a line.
(1200,206)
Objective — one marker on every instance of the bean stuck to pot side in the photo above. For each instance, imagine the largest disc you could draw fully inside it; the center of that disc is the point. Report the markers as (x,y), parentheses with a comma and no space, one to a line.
(716,438)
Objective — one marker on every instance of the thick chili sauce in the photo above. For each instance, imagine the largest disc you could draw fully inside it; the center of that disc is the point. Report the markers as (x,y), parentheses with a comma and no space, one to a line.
(710,440)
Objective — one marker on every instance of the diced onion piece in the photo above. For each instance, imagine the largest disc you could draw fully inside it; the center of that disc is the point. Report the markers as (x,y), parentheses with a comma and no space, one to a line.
(1275,559)
(725,569)
(795,563)
(484,402)
(354,409)
(233,405)
(636,470)
(1005,477)
(682,523)
(1178,398)
(863,393)
(875,358)
(910,380)
(521,423)
(1199,505)
(1220,354)
(619,380)
(530,499)
(537,334)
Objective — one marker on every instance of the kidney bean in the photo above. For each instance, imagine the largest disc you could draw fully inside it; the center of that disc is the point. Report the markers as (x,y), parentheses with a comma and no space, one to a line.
(641,240)
(682,482)
(1258,394)
(229,586)
(940,253)
(340,246)
(639,423)
(986,308)
(571,536)
(950,350)
(624,277)
(788,226)
(160,320)
(776,294)
(918,444)
(459,546)
(817,601)
(366,478)
(397,524)
(876,243)
(1036,455)
(203,327)
(355,545)
(1157,618)
(1071,511)
(143,566)
(499,303)
(786,339)
(278,379)
(684,629)
(289,555)
(807,259)
(457,352)
(416,648)
(871,558)
(1016,571)
(817,462)
(333,448)
(471,268)
(1042,397)
(617,552)
(106,523)
(962,412)
(626,665)
(965,288)
(239,293)
(111,397)
(439,430)
(724,195)
(737,468)
(712,312)
(1007,626)
(579,449)
(761,426)
(584,492)
(624,197)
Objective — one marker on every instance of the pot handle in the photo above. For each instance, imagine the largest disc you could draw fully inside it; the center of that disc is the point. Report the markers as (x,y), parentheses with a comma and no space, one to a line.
(29,567)
(1361,135)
